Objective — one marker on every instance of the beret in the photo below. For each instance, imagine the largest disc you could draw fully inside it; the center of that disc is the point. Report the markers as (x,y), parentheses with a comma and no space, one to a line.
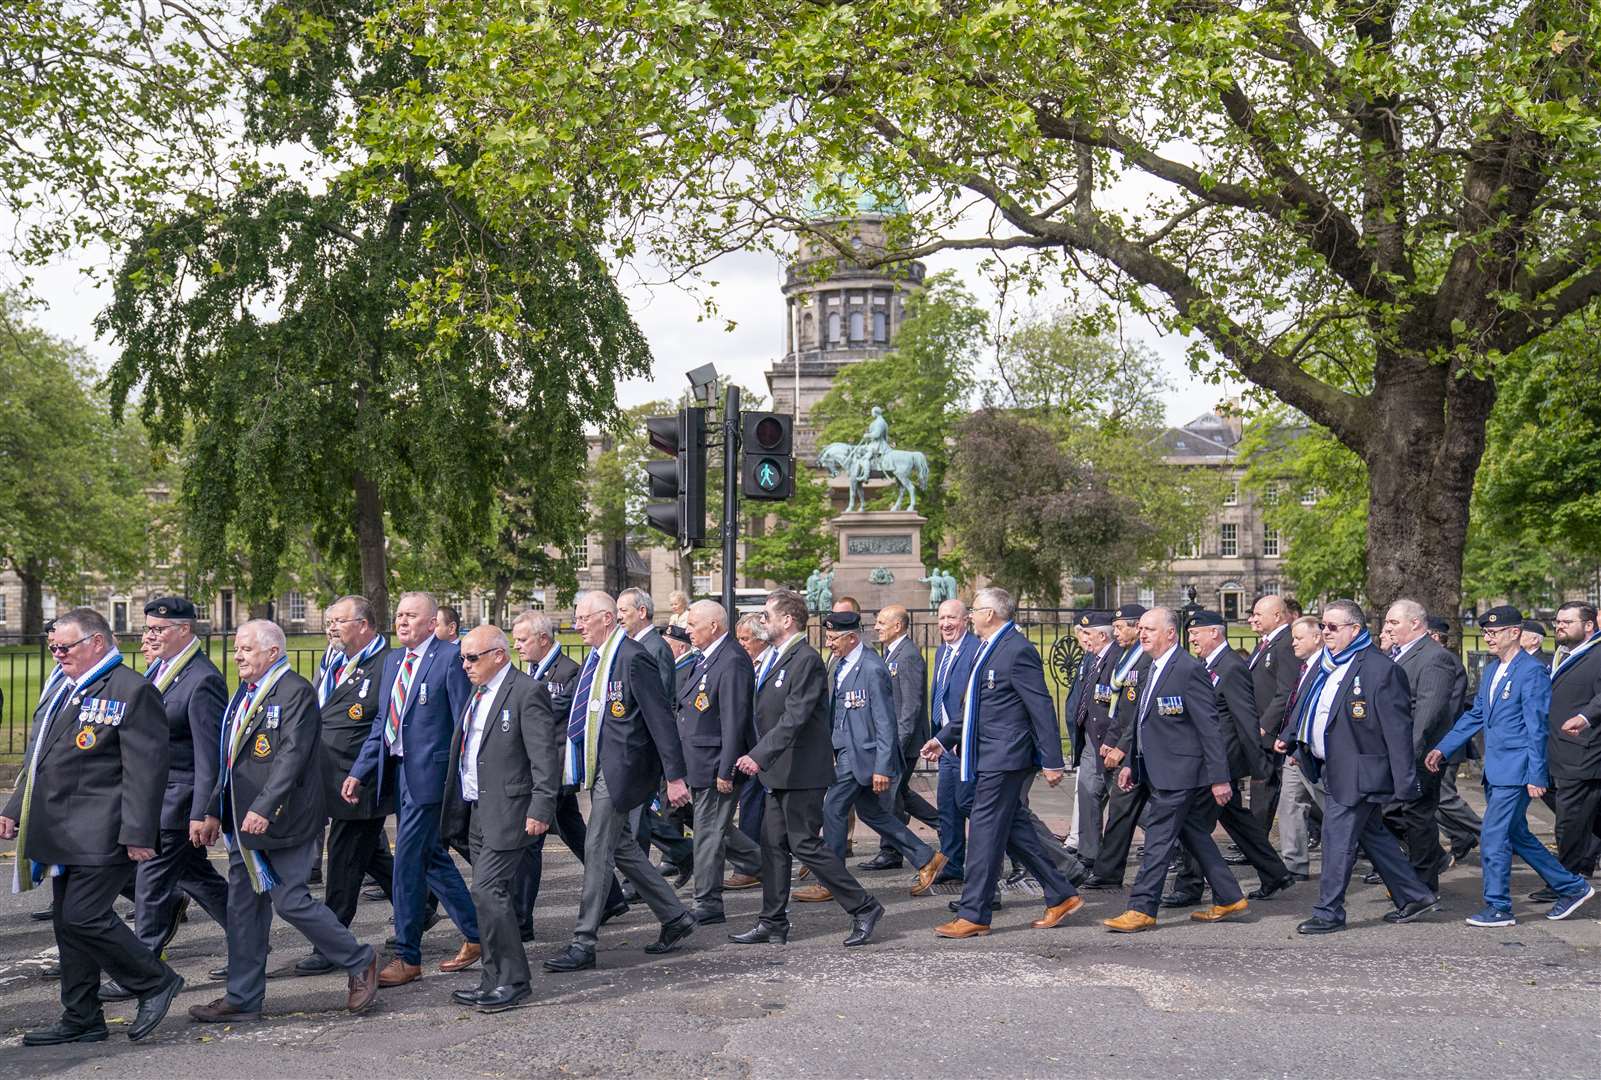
(171,607)
(1499,617)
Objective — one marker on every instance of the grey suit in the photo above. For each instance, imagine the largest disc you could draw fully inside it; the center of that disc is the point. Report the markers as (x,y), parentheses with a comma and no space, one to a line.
(908,676)
(1438,684)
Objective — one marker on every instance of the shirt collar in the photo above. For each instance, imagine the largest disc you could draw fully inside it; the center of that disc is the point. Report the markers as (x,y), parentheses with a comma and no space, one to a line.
(644,632)
(708,650)
(494,683)
(1213,655)
(421,650)
(851,657)
(1160,660)
(1404,649)
(889,647)
(1274,633)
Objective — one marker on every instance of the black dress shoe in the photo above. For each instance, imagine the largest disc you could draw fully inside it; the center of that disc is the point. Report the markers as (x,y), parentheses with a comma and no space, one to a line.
(43,916)
(112,990)
(672,933)
(708,918)
(1410,911)
(884,860)
(50,969)
(315,964)
(502,998)
(681,874)
(1546,895)
(372,892)
(575,958)
(153,1009)
(862,924)
(218,972)
(1094,881)
(180,915)
(1181,899)
(315,877)
(1234,858)
(1300,877)
(762,934)
(1318,925)
(1270,889)
(631,894)
(466,997)
(62,1032)
(995,904)
(1372,877)
(527,934)
(1017,876)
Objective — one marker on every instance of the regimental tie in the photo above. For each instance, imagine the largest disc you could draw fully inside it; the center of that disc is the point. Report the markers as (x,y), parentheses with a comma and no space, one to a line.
(467,723)
(240,717)
(577,717)
(397,701)
(942,679)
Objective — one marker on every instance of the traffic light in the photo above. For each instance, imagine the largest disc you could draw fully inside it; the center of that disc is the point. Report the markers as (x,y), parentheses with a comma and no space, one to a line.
(767,456)
(683,479)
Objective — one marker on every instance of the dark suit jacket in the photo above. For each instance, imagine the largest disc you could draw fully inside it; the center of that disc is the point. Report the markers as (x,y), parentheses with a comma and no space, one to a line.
(278,771)
(519,765)
(949,694)
(714,712)
(908,678)
(1273,677)
(1017,726)
(347,719)
(561,683)
(1120,710)
(1369,756)
(1098,699)
(641,746)
(656,645)
(439,692)
(684,667)
(1236,706)
(794,747)
(1439,685)
(1576,691)
(1176,744)
(194,704)
(92,802)
(866,730)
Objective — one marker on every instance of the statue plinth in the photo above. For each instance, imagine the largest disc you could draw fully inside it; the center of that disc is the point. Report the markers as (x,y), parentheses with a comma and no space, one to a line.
(873,545)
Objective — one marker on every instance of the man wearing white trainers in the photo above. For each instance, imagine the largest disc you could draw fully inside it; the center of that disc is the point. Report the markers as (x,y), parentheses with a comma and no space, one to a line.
(1511,706)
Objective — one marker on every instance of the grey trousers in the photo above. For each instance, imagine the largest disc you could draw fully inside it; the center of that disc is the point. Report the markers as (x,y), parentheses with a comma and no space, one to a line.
(505,961)
(604,850)
(1089,814)
(716,839)
(250,922)
(1457,819)
(178,865)
(1297,794)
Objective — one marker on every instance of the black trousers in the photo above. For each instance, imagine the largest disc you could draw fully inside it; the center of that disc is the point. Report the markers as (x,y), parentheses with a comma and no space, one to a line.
(356,848)
(1249,835)
(178,865)
(1577,805)
(1416,823)
(569,826)
(1265,793)
(93,938)
(908,803)
(1179,819)
(1122,815)
(792,828)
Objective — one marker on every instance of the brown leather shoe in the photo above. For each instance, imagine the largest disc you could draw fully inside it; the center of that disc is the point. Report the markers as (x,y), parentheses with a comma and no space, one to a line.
(1130,922)
(803,873)
(741,881)
(1219,912)
(220,1012)
(812,894)
(398,973)
(926,876)
(466,958)
(364,987)
(1054,915)
(961,928)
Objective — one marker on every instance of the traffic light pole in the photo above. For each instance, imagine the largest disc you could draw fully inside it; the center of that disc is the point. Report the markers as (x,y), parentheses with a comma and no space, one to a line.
(730,499)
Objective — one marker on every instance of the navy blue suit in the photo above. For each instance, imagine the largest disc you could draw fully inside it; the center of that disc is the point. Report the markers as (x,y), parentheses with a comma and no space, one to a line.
(1017,734)
(952,795)
(438,700)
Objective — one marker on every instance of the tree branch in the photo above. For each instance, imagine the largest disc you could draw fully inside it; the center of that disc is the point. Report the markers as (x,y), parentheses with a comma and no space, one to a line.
(1518,328)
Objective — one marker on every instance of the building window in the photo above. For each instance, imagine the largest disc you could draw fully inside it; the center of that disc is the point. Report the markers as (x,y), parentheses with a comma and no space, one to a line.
(1231,497)
(119,616)
(858,326)
(1190,549)
(1270,543)
(701,585)
(2,609)
(1228,544)
(1147,596)
(1308,497)
(808,330)
(1272,588)
(1231,605)
(880,325)
(581,552)
(295,606)
(486,610)
(833,328)
(1270,493)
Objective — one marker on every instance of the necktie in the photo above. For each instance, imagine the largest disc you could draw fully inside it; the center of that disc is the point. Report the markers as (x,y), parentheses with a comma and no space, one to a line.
(154,671)
(1261,647)
(397,699)
(239,721)
(1289,706)
(767,668)
(578,715)
(467,726)
(942,678)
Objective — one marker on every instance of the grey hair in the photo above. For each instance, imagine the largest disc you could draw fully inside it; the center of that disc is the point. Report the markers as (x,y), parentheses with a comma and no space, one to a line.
(537,622)
(1410,609)
(90,622)
(425,597)
(267,633)
(637,598)
(361,606)
(998,598)
(1167,615)
(1351,608)
(598,601)
(710,609)
(755,624)
(676,595)
(496,636)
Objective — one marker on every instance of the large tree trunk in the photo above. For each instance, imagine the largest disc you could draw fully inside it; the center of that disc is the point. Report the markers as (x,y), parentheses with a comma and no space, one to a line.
(498,608)
(31,573)
(370,545)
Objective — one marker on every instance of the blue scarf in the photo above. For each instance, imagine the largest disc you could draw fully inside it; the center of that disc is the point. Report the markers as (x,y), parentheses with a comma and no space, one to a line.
(969,744)
(1327,664)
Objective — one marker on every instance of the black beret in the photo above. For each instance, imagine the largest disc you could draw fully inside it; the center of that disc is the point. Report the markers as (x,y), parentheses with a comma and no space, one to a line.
(842,621)
(1500,617)
(1095,618)
(1439,624)
(676,632)
(1207,618)
(171,607)
(1129,612)
(1534,626)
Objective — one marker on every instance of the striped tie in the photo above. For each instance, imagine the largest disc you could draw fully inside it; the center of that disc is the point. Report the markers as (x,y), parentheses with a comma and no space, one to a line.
(397,700)
(578,716)
(239,721)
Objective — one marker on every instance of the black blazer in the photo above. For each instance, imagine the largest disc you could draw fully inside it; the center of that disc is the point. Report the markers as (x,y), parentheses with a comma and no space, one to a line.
(1121,712)
(1576,690)
(347,723)
(278,771)
(1368,741)
(1273,678)
(561,683)
(97,788)
(659,651)
(194,704)
(1096,699)
(794,746)
(1179,744)
(908,678)
(641,746)
(714,713)
(1439,685)
(519,766)
(1236,707)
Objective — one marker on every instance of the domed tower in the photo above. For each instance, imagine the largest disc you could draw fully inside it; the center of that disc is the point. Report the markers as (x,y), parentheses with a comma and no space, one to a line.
(837,310)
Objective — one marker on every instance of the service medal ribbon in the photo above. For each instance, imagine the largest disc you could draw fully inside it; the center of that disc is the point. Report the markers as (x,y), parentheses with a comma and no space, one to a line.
(422,694)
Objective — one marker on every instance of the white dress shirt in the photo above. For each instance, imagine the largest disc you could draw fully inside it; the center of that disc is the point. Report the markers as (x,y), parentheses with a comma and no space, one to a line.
(1325,703)
(398,749)
(847,664)
(475,736)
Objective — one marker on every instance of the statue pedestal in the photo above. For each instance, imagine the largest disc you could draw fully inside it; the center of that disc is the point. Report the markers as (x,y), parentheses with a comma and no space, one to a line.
(872,542)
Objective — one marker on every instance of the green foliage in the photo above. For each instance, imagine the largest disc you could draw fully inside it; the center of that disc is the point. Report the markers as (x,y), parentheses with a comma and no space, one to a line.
(797,541)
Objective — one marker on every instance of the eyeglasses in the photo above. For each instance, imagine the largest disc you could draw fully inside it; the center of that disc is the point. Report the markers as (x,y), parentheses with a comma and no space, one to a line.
(334,624)
(1333,626)
(63,650)
(474,657)
(975,611)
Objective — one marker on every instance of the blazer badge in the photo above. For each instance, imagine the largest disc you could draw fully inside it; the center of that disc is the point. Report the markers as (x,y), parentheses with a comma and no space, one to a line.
(702,702)
(1359,709)
(85,739)
(1130,694)
(617,709)
(354,712)
(263,747)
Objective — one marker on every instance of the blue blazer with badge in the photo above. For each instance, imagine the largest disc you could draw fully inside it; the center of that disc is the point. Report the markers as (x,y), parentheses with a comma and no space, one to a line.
(439,695)
(1368,741)
(194,704)
(1017,726)
(948,692)
(862,717)
(1514,723)
(1175,742)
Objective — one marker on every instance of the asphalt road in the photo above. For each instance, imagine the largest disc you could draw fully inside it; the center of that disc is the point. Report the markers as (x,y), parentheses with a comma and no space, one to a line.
(1248,998)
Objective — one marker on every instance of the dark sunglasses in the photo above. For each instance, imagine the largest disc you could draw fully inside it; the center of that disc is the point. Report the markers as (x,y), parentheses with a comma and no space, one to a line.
(474,657)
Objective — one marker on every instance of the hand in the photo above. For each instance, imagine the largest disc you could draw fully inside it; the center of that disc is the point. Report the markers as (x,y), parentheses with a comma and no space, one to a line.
(8,829)
(747,765)
(1113,757)
(197,833)
(1223,792)
(1053,776)
(880,783)
(1263,732)
(1433,760)
(350,790)
(725,787)
(1125,779)
(932,750)
(1575,725)
(677,793)
(141,854)
(210,829)
(254,824)
(1281,746)
(1536,791)
(535,827)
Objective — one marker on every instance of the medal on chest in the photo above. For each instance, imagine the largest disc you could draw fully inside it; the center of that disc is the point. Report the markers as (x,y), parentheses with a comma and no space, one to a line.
(989,679)
(362,693)
(85,739)
(780,680)
(505,720)
(275,715)
(422,694)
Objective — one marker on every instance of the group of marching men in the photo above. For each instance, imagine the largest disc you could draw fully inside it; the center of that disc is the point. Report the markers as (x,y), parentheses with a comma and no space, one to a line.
(129,778)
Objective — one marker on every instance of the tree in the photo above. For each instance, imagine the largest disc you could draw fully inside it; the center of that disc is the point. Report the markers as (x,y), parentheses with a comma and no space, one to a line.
(797,540)
(364,356)
(76,501)
(1362,209)
(922,384)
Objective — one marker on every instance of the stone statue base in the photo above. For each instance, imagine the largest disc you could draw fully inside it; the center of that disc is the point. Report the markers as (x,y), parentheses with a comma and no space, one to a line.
(873,545)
